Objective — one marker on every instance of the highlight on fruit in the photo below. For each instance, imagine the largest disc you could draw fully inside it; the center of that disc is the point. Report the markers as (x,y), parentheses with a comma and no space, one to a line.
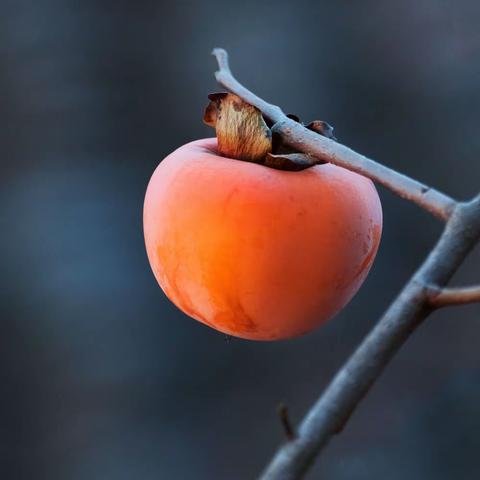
(253,239)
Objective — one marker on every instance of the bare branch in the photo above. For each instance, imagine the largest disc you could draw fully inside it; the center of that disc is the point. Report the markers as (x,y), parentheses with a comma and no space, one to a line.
(304,140)
(444,297)
(333,409)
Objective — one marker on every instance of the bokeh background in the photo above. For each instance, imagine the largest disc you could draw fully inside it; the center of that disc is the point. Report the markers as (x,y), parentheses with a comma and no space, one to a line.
(101,377)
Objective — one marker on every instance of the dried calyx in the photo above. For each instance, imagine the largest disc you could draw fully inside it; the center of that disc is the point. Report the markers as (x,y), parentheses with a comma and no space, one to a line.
(243,134)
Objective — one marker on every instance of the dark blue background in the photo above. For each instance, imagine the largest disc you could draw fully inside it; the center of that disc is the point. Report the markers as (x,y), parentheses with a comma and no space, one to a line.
(101,377)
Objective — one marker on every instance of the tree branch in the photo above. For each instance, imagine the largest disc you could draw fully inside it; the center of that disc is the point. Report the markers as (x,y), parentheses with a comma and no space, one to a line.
(444,297)
(304,140)
(332,410)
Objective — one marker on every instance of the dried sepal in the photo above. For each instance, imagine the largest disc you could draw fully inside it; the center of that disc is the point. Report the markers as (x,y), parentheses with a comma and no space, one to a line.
(293,162)
(210,115)
(241,129)
(318,126)
(243,134)
(321,127)
(294,117)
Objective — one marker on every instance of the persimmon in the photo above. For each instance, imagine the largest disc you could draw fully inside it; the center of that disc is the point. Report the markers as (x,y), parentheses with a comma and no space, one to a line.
(257,244)
(256,252)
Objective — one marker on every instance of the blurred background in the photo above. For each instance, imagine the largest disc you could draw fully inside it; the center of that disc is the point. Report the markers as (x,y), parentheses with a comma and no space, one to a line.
(102,377)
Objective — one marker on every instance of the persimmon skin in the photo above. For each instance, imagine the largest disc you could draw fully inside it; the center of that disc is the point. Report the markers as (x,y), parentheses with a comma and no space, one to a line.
(255,252)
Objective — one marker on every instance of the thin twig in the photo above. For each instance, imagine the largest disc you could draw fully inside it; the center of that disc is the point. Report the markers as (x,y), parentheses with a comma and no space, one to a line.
(462,231)
(285,421)
(304,140)
(444,297)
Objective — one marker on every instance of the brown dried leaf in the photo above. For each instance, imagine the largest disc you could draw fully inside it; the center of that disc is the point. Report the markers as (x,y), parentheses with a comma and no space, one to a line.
(241,129)
(321,127)
(293,162)
(294,117)
(210,115)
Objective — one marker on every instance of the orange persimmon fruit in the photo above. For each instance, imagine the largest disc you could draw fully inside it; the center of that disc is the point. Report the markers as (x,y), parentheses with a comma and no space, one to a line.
(255,252)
